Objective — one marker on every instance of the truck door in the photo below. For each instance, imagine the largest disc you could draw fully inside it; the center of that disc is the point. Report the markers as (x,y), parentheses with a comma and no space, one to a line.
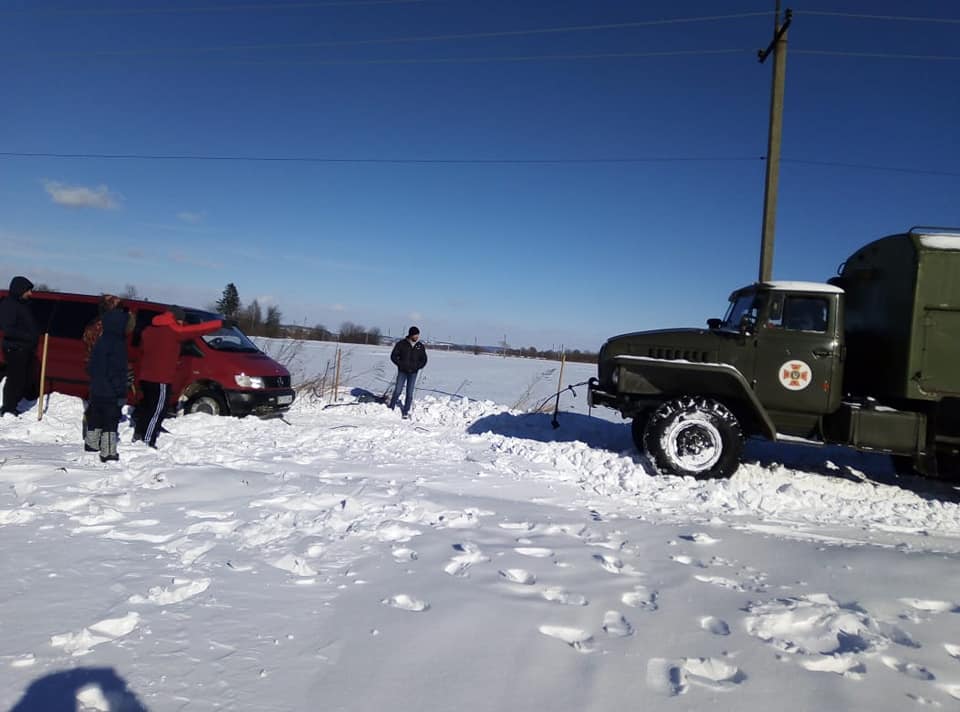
(797,354)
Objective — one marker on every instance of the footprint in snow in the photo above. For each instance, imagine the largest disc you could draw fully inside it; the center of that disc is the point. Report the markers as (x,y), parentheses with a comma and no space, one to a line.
(714,625)
(699,538)
(688,561)
(929,606)
(674,677)
(516,526)
(843,664)
(558,594)
(406,603)
(460,564)
(615,625)
(641,597)
(520,576)
(579,640)
(105,631)
(614,565)
(917,672)
(536,552)
(403,554)
(721,582)
(179,591)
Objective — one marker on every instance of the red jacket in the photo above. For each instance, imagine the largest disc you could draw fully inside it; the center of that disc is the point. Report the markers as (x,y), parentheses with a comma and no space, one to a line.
(161,346)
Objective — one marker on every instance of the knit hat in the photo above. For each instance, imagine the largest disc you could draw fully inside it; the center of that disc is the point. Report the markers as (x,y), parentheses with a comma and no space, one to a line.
(414,331)
(178,313)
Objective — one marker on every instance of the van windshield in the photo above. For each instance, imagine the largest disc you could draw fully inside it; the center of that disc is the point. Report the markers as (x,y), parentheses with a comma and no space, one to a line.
(230,339)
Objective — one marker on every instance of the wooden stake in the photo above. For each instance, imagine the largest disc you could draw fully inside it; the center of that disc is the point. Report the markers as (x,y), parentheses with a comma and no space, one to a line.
(43,375)
(336,378)
(556,408)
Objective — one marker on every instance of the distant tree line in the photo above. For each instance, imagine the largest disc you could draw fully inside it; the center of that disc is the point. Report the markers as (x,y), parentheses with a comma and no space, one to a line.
(254,320)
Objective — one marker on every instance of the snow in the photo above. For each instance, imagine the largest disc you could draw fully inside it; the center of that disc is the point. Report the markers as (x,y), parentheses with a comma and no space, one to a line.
(473,558)
(940,242)
(803,287)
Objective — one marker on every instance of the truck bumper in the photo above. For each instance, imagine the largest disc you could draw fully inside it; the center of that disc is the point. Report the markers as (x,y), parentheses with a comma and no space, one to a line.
(260,402)
(596,396)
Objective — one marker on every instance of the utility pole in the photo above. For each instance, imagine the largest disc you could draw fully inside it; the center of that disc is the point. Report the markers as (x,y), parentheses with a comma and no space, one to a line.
(778,47)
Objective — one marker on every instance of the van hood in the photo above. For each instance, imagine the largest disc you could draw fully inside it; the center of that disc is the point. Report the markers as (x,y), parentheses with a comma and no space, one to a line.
(252,364)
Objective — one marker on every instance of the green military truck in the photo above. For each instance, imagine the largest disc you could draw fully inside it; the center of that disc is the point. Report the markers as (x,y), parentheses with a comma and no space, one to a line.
(870,360)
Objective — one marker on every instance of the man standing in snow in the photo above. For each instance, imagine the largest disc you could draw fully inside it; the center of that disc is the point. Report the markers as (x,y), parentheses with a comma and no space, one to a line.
(20,337)
(409,356)
(158,368)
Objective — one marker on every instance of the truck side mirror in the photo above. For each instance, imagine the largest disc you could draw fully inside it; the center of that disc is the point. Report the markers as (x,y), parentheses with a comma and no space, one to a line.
(714,323)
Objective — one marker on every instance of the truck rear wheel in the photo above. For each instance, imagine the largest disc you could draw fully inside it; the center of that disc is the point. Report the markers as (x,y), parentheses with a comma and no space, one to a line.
(694,437)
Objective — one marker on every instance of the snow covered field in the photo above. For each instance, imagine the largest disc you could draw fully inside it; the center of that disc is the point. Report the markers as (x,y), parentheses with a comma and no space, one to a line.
(474,558)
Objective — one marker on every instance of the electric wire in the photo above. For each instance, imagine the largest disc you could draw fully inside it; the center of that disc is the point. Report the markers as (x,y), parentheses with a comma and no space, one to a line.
(391,40)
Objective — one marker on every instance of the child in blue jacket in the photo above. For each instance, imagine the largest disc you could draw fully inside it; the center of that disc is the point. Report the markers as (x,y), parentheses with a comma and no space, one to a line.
(108,386)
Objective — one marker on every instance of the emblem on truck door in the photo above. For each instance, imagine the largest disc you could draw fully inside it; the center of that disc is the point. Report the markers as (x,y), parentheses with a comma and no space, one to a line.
(795,375)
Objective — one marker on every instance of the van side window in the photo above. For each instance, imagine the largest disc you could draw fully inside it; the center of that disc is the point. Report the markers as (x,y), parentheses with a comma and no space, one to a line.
(804,314)
(42,310)
(71,318)
(144,319)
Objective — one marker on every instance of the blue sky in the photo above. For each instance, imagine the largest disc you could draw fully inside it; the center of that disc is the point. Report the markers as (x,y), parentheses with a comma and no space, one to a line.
(543,253)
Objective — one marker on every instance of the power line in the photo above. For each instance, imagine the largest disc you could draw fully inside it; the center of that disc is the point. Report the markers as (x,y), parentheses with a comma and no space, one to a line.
(400,161)
(398,40)
(876,55)
(483,60)
(872,167)
(461,161)
(896,18)
(207,8)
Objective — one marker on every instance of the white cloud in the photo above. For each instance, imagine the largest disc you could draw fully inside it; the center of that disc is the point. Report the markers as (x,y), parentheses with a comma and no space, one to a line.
(80,196)
(192,218)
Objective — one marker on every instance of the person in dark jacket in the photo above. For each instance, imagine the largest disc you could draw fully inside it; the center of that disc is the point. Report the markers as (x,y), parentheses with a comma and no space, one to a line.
(20,337)
(158,368)
(409,356)
(108,386)
(91,334)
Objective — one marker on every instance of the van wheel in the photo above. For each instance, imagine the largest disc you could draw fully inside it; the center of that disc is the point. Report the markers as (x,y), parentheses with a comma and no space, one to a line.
(694,437)
(206,402)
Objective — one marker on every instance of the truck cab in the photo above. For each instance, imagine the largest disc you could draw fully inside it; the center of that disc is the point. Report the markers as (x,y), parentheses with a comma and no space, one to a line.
(866,360)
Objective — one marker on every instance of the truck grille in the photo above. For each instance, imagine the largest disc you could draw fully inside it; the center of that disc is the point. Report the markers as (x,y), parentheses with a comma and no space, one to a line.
(676,354)
(276,381)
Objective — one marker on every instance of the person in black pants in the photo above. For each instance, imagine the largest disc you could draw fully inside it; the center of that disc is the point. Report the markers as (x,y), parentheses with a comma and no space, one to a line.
(108,386)
(20,337)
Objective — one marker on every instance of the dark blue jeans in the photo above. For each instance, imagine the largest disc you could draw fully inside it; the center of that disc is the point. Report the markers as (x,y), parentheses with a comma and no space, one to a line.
(410,379)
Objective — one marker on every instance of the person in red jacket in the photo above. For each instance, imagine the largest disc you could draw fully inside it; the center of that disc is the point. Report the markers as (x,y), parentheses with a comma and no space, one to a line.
(158,368)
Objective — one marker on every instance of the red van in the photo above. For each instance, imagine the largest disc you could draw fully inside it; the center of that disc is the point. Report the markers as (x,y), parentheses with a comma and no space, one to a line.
(222,373)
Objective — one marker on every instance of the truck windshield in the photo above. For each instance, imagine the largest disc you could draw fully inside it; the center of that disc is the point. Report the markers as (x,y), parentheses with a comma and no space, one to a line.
(230,339)
(743,305)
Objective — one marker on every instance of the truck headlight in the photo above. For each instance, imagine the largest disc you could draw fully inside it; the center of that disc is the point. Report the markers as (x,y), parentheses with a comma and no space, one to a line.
(615,376)
(245,381)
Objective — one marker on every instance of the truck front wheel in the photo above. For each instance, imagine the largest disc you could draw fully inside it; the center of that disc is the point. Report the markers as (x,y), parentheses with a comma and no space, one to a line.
(695,437)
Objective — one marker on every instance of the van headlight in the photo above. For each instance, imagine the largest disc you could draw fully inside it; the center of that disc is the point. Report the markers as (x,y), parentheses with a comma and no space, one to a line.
(245,381)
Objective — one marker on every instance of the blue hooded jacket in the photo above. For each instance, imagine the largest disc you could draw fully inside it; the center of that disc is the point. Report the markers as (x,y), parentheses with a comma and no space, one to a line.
(108,360)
